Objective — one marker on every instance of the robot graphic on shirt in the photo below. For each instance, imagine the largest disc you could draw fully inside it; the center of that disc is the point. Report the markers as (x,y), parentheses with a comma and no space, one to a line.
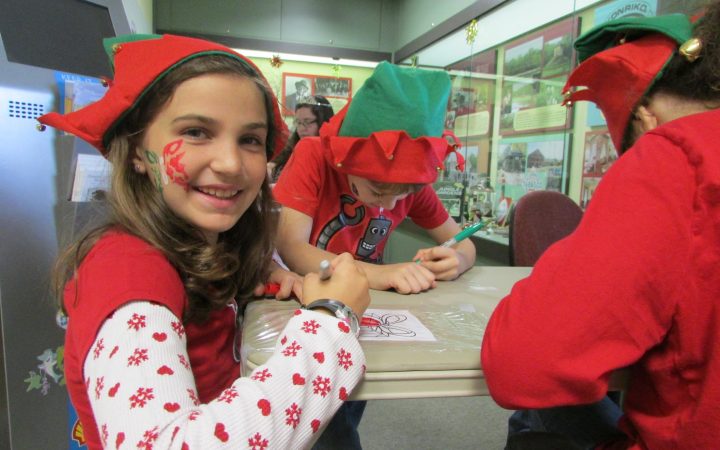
(376,232)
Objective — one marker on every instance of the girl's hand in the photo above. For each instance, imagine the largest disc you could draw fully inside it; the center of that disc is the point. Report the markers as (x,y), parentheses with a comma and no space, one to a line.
(290,283)
(347,284)
(443,262)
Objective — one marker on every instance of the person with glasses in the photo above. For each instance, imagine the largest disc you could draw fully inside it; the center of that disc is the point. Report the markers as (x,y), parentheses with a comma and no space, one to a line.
(310,113)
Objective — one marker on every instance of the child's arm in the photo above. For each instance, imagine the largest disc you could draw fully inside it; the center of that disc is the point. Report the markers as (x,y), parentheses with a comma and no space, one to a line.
(302,257)
(142,389)
(289,283)
(293,242)
(447,263)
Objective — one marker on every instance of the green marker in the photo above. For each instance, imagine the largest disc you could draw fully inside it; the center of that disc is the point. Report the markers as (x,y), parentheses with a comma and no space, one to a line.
(464,234)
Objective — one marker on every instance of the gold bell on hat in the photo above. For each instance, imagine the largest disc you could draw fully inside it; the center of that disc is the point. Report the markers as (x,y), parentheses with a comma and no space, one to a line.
(691,49)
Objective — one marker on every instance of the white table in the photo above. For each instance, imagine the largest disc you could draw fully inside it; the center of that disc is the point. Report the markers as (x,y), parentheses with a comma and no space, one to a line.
(456,312)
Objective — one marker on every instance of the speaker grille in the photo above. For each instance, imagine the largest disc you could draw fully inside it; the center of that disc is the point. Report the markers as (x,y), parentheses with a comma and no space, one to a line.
(25,110)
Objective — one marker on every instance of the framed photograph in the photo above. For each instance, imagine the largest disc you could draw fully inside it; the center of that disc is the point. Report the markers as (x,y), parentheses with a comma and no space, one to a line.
(297,86)
(532,163)
(333,87)
(469,109)
(599,153)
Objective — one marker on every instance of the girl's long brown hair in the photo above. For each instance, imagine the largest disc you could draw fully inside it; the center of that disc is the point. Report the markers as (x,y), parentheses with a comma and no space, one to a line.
(212,273)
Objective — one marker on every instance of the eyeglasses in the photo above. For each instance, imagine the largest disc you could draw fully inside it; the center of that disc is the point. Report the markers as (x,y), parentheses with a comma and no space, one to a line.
(304,123)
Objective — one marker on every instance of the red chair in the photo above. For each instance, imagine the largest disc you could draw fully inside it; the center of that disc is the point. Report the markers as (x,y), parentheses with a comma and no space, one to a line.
(539,219)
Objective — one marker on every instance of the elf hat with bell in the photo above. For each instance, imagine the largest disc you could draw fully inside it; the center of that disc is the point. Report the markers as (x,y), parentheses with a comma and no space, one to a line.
(393,129)
(620,61)
(139,61)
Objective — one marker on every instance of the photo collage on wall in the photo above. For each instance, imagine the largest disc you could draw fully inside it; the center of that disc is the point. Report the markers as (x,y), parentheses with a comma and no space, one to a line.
(598,155)
(534,73)
(529,163)
(469,117)
(535,144)
(295,86)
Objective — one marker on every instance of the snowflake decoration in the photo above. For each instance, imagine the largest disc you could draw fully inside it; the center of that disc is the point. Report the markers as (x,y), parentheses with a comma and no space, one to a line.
(262,375)
(292,349)
(141,397)
(293,415)
(99,386)
(138,356)
(321,386)
(344,359)
(184,361)
(193,397)
(136,322)
(310,327)
(149,437)
(98,348)
(104,435)
(228,395)
(178,328)
(257,442)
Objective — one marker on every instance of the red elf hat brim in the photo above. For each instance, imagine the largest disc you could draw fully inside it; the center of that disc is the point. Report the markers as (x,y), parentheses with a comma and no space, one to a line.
(617,78)
(389,156)
(139,64)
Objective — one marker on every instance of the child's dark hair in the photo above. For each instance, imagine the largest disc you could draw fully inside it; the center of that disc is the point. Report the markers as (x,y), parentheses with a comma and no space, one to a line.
(698,80)
(212,273)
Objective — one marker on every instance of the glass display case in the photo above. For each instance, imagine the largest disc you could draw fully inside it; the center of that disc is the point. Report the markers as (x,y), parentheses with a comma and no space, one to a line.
(508,68)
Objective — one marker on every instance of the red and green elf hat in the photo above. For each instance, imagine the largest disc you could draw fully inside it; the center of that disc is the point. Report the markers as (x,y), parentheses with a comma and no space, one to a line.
(139,61)
(393,129)
(620,61)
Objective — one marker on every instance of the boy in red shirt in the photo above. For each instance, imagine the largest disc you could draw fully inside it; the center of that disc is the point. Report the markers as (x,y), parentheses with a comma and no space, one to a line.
(348,189)
(371,167)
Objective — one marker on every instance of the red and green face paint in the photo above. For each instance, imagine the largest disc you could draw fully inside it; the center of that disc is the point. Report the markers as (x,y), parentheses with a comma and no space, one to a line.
(174,168)
(169,166)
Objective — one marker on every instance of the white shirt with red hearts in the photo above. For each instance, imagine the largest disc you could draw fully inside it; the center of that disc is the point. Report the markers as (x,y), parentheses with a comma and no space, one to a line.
(143,394)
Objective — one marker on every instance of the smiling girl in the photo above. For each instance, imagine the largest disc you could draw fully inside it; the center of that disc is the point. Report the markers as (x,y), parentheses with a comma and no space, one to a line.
(152,339)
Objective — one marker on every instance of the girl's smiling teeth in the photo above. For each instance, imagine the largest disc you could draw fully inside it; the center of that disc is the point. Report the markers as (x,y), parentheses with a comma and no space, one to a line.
(219,193)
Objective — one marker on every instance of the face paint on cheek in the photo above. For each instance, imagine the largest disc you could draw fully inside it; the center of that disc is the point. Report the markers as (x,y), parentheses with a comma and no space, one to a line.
(154,169)
(174,168)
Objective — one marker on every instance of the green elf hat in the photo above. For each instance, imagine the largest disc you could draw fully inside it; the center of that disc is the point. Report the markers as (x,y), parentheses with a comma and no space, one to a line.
(139,61)
(620,61)
(393,129)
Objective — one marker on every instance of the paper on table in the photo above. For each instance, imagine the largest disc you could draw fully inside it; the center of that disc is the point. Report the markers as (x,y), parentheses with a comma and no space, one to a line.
(393,325)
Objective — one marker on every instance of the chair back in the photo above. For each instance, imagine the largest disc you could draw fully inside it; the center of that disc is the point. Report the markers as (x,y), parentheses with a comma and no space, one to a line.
(539,219)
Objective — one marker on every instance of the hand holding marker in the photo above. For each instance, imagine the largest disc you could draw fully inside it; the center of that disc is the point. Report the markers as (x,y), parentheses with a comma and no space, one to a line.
(464,234)
(325,269)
